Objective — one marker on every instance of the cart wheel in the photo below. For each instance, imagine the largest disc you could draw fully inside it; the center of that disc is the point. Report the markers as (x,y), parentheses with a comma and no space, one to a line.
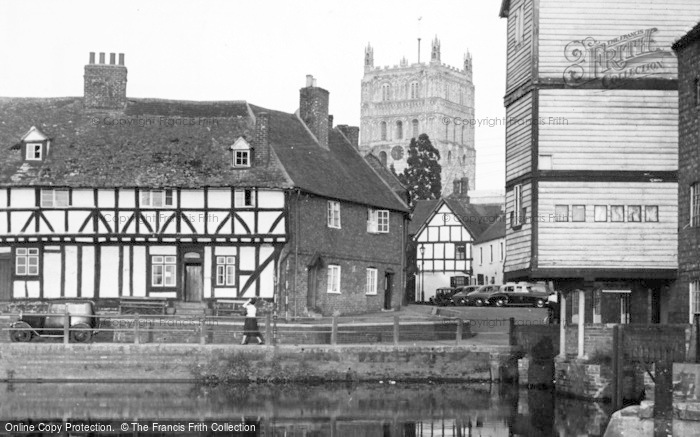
(82,336)
(23,334)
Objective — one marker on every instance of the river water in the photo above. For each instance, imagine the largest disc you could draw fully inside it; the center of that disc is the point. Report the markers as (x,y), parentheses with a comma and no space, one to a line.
(376,409)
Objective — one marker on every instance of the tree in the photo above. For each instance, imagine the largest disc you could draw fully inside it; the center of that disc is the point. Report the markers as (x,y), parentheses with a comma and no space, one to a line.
(422,176)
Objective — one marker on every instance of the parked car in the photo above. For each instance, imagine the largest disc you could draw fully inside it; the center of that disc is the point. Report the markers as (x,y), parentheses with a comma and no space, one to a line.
(82,327)
(443,296)
(460,298)
(522,293)
(482,295)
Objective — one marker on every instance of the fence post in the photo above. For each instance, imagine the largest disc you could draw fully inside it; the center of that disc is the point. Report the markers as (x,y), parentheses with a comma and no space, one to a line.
(617,368)
(203,331)
(334,331)
(458,340)
(511,331)
(268,327)
(396,329)
(696,326)
(137,335)
(66,326)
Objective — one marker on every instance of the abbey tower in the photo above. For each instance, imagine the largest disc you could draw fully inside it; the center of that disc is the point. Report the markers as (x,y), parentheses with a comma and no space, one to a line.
(404,101)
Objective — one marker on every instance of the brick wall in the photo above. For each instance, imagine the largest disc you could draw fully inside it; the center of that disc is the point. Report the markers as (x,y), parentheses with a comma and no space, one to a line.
(688,173)
(351,247)
(105,85)
(596,338)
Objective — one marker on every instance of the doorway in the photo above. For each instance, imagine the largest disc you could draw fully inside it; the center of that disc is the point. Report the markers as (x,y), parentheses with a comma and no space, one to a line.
(388,289)
(193,276)
(5,277)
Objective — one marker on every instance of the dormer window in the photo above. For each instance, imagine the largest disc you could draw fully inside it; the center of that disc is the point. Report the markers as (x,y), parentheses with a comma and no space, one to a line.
(35,145)
(242,154)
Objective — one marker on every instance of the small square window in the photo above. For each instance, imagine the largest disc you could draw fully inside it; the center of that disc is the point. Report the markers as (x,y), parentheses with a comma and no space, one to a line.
(333,216)
(578,213)
(34,151)
(601,213)
(243,198)
(241,158)
(651,213)
(617,213)
(634,213)
(561,213)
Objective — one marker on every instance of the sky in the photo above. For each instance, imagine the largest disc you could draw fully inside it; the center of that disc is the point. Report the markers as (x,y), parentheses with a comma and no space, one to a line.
(256,51)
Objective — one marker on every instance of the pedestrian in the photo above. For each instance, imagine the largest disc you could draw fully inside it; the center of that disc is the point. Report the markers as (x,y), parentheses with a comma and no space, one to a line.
(250,327)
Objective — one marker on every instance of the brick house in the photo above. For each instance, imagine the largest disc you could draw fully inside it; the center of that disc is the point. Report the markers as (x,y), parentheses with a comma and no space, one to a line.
(106,197)
(686,302)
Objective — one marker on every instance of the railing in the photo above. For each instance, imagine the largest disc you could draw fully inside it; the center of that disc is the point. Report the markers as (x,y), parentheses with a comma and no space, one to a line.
(138,329)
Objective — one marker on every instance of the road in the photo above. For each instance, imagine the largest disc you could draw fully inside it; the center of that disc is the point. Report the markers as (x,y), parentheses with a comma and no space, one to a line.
(487,319)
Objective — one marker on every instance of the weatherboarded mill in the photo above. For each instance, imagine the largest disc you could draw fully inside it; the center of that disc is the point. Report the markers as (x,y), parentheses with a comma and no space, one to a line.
(107,197)
(592,154)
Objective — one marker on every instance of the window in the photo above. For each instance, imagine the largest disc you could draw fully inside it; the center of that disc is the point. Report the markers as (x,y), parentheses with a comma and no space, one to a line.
(157,198)
(163,271)
(241,158)
(333,214)
(34,151)
(414,90)
(55,198)
(561,213)
(481,255)
(596,296)
(333,279)
(378,220)
(502,251)
(415,128)
(383,158)
(694,299)
(243,198)
(519,212)
(574,306)
(226,270)
(399,130)
(634,213)
(26,261)
(491,249)
(371,285)
(460,251)
(545,162)
(385,92)
(519,27)
(695,204)
(578,213)
(617,213)
(600,213)
(383,130)
(651,213)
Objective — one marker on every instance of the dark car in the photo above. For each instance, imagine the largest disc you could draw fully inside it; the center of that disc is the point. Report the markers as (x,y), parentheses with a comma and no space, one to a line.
(521,294)
(443,296)
(50,323)
(460,298)
(482,295)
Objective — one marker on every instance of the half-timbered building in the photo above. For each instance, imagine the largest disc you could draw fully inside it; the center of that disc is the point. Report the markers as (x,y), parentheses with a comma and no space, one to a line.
(592,152)
(105,197)
(444,241)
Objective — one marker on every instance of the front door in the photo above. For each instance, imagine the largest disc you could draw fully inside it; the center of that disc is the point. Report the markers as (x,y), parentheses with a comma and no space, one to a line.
(193,282)
(5,277)
(388,289)
(312,288)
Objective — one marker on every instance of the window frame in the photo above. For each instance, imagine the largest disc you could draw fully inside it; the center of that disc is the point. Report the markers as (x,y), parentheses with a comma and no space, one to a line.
(36,149)
(225,272)
(386,92)
(519,31)
(517,213)
(166,261)
(333,282)
(27,254)
(502,253)
(415,125)
(595,213)
(629,217)
(371,281)
(647,208)
(612,214)
(399,129)
(463,251)
(694,212)
(561,217)
(573,213)
(383,131)
(333,214)
(243,198)
(52,201)
(238,158)
(693,300)
(166,192)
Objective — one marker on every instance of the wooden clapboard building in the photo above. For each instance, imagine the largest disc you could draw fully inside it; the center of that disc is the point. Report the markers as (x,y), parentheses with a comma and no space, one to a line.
(592,151)
(106,197)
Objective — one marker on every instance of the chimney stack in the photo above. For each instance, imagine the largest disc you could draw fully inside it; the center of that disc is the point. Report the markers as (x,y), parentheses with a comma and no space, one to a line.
(261,141)
(352,133)
(313,110)
(460,188)
(105,84)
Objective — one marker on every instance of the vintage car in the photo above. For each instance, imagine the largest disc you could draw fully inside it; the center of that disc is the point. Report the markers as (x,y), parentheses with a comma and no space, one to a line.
(522,293)
(443,296)
(82,322)
(482,295)
(460,298)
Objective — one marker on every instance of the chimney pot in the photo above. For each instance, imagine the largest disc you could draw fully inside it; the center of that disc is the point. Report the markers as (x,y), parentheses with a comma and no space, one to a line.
(314,83)
(112,58)
(92,57)
(121,58)
(309,80)
(102,58)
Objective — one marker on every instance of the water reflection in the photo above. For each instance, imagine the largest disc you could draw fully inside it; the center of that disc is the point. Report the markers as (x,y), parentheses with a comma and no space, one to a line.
(317,410)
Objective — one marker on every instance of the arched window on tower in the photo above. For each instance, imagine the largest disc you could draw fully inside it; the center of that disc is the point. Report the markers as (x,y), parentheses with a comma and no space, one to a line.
(449,155)
(382,158)
(399,130)
(385,92)
(414,90)
(415,128)
(464,159)
(383,131)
